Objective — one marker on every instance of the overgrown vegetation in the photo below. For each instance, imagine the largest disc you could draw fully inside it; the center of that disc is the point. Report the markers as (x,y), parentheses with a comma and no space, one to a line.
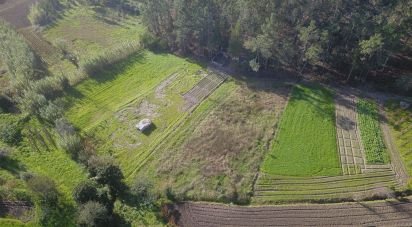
(371,133)
(305,143)
(45,12)
(400,121)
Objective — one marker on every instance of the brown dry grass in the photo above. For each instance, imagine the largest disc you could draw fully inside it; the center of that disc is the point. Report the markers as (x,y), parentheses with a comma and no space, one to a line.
(221,157)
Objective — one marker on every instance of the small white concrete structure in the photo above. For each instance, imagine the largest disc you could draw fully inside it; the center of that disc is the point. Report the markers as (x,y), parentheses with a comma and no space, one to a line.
(144,124)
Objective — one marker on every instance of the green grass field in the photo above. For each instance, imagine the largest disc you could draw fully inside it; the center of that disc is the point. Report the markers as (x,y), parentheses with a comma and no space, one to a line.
(88,34)
(306,140)
(371,134)
(145,86)
(400,121)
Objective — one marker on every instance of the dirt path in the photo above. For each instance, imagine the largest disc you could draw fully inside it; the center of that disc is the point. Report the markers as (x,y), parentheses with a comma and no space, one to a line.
(382,213)
(15,12)
(350,148)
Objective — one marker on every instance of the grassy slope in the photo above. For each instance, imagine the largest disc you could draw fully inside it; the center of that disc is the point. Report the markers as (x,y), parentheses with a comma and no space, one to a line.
(89,34)
(371,134)
(306,142)
(47,160)
(400,121)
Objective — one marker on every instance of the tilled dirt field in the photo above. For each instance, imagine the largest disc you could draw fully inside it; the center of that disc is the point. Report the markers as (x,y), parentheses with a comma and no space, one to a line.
(382,213)
(15,12)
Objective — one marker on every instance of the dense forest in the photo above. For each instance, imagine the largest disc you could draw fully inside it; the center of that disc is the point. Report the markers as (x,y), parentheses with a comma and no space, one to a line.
(355,39)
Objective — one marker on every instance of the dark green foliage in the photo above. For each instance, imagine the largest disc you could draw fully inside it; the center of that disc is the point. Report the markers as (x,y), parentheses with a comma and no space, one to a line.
(353,37)
(106,172)
(10,133)
(93,214)
(142,189)
(45,12)
(85,191)
(44,188)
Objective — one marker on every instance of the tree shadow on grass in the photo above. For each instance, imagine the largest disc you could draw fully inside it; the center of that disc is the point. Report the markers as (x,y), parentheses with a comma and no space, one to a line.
(11,165)
(109,72)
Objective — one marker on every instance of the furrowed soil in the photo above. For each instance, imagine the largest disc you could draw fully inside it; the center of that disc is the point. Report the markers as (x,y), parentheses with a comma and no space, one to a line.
(379,213)
(15,12)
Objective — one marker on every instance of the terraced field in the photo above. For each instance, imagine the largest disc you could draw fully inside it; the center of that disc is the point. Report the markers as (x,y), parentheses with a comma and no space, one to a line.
(381,213)
(281,189)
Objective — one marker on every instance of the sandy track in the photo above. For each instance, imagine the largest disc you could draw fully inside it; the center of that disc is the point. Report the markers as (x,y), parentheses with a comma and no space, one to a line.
(15,12)
(383,213)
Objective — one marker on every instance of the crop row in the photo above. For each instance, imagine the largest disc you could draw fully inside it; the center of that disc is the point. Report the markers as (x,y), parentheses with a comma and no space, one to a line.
(371,133)
(386,213)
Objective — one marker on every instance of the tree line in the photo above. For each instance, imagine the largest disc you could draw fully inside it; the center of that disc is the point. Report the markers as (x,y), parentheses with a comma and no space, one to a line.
(354,38)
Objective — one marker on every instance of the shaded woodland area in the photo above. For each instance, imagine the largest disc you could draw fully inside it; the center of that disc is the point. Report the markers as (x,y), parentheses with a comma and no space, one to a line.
(361,40)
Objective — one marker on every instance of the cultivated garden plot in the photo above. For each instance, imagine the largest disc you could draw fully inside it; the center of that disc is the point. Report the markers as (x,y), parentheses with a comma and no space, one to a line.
(349,145)
(371,134)
(215,154)
(204,88)
(381,213)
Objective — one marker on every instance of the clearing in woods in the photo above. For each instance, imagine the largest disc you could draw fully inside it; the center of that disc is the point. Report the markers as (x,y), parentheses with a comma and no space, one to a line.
(306,140)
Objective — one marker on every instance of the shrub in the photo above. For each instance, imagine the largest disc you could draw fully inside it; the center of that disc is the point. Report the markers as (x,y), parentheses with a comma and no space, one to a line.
(106,172)
(152,42)
(71,143)
(44,188)
(32,102)
(44,12)
(93,214)
(50,87)
(51,112)
(64,127)
(10,133)
(86,191)
(142,190)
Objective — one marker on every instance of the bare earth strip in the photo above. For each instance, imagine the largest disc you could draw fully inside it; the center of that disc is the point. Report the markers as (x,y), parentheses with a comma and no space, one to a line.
(382,213)
(15,12)
(350,149)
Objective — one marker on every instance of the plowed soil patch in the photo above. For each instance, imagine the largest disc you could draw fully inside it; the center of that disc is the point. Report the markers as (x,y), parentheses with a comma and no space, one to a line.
(15,12)
(383,213)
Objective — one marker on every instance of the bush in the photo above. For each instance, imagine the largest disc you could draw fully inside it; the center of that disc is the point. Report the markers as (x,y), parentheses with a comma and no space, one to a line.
(32,102)
(44,188)
(93,214)
(71,143)
(44,12)
(152,42)
(86,191)
(64,127)
(10,133)
(106,172)
(51,112)
(142,190)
